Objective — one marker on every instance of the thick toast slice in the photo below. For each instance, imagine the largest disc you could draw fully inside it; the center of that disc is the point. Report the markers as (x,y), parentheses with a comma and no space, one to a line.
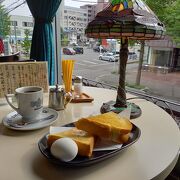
(84,140)
(108,125)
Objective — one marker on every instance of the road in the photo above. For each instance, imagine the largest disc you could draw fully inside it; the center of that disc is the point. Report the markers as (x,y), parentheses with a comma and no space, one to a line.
(89,66)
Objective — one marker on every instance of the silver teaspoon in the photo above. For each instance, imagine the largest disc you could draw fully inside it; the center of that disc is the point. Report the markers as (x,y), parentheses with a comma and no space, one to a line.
(23,124)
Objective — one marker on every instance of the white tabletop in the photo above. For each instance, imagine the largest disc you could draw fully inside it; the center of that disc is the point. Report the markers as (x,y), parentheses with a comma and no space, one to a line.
(153,156)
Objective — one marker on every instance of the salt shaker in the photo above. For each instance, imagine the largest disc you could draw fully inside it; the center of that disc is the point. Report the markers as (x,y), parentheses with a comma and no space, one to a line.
(78,86)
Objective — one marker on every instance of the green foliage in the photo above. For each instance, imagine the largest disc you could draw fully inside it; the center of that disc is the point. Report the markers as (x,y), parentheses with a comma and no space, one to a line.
(159,7)
(64,41)
(131,42)
(168,11)
(26,43)
(172,21)
(99,41)
(4,22)
(64,38)
(114,2)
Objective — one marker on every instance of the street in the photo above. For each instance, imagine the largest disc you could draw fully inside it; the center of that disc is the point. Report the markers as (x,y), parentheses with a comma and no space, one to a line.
(89,66)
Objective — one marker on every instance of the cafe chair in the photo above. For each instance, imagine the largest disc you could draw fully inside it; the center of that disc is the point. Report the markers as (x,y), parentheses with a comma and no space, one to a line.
(14,75)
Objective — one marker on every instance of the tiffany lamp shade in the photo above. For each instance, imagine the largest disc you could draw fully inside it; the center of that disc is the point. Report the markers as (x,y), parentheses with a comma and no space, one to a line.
(125,19)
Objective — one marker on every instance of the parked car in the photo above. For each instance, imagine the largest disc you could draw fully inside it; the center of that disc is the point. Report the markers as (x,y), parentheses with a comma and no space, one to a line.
(109,57)
(78,50)
(74,44)
(132,56)
(69,51)
(97,49)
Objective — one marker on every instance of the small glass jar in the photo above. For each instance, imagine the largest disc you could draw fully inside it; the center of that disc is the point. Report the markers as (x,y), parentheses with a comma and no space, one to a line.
(78,86)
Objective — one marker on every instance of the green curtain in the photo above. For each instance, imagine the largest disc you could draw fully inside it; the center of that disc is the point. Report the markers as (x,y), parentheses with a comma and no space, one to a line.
(42,48)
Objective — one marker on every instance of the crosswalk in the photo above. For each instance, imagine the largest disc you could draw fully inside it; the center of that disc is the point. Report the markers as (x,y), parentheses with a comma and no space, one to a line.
(92,63)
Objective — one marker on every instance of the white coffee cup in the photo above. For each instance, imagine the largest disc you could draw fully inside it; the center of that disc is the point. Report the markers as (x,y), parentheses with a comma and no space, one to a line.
(29,102)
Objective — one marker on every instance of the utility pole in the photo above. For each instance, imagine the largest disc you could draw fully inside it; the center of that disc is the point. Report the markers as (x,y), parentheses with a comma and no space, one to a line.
(15,35)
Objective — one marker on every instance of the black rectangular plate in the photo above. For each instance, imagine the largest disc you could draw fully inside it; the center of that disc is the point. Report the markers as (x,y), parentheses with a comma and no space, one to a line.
(96,156)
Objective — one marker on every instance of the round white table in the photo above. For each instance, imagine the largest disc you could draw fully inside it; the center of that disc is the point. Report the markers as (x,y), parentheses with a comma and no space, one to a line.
(154,155)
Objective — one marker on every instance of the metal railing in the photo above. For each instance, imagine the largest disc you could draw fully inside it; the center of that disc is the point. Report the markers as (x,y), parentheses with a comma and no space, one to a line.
(173,108)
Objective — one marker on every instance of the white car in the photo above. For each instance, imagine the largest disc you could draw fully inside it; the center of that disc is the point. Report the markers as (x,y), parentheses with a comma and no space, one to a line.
(109,57)
(132,56)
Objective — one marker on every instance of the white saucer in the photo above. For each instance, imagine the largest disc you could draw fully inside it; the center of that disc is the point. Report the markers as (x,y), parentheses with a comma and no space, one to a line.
(14,120)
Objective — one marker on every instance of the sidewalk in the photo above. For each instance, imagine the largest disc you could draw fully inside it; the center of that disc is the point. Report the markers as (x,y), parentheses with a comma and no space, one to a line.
(163,85)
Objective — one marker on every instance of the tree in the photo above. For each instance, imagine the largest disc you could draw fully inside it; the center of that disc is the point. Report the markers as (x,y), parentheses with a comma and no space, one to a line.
(4,22)
(138,77)
(26,43)
(168,12)
(159,7)
(64,38)
(172,21)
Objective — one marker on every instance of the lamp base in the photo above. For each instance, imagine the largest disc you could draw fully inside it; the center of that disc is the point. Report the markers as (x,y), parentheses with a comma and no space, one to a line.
(109,106)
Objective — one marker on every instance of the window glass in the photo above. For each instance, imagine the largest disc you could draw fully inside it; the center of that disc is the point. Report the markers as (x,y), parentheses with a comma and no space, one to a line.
(161,59)
(13,23)
(19,34)
(27,24)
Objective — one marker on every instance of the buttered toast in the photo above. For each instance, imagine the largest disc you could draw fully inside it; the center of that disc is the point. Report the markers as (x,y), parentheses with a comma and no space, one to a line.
(84,140)
(108,125)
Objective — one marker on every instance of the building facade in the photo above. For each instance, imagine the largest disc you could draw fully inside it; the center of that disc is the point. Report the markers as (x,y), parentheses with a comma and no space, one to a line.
(101,4)
(91,10)
(163,53)
(76,19)
(75,22)
(18,26)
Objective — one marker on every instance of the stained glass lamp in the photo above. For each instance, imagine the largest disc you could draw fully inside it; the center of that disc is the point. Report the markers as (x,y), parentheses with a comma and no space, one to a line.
(125,19)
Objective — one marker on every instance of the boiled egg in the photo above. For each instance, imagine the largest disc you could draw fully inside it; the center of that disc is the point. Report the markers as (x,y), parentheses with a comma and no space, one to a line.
(64,149)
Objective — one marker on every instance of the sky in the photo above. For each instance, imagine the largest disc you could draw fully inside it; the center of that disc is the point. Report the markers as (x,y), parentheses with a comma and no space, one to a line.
(24,10)
(74,3)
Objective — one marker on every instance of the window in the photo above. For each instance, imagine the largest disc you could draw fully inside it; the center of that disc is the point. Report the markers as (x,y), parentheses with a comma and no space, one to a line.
(16,32)
(27,24)
(161,58)
(14,23)
(155,57)
(74,22)
(20,20)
